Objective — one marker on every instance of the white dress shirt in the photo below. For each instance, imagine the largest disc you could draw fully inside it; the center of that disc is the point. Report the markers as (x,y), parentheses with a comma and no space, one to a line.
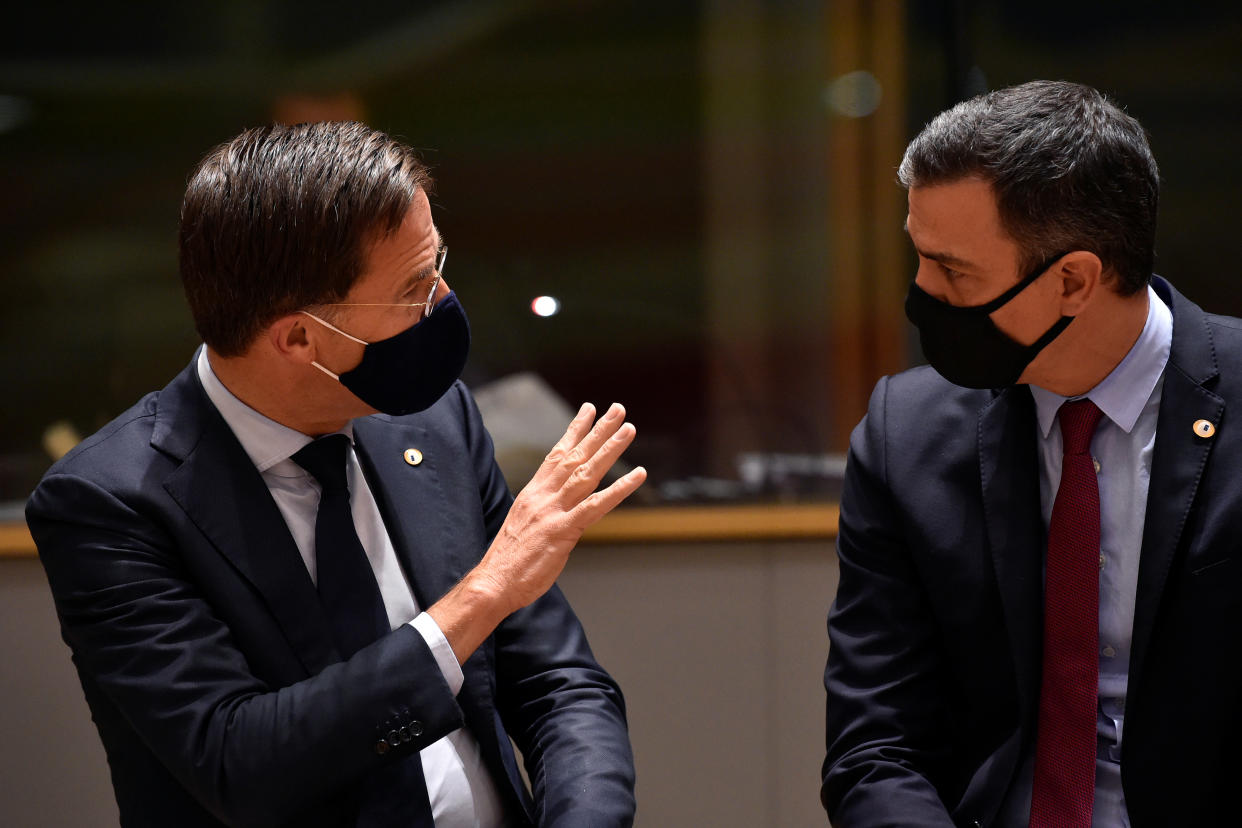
(1122,450)
(460,789)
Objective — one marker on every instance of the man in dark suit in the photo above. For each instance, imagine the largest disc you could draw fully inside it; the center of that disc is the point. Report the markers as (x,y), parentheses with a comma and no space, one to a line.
(272,629)
(1040,592)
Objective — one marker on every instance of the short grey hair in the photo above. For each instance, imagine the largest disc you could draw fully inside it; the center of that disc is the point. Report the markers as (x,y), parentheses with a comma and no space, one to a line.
(1070,171)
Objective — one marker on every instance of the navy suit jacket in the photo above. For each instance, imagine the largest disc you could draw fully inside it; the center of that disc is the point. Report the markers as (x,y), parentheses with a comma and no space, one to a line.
(934,666)
(206,657)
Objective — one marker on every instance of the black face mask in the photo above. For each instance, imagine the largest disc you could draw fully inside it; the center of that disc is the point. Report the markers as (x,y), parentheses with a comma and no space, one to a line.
(408,372)
(965,346)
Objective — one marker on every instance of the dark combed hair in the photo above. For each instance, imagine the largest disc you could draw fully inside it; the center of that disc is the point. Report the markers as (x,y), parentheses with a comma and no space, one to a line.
(282,217)
(1069,169)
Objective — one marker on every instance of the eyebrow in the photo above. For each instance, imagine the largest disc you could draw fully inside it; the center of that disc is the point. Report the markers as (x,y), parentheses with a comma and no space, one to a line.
(942,258)
(424,272)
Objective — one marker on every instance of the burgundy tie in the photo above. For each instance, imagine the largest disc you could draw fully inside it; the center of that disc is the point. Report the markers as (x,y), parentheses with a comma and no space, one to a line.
(1064,786)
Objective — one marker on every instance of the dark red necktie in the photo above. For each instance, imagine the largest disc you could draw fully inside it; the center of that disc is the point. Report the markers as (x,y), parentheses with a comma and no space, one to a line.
(1064,785)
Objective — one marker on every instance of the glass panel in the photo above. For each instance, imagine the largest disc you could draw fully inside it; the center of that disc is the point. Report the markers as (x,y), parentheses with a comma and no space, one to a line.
(705,189)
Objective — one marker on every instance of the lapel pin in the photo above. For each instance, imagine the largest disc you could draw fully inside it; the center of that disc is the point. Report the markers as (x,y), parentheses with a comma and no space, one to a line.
(413,456)
(1204,428)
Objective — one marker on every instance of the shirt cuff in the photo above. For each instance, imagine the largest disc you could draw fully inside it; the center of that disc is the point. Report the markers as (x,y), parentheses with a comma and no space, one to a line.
(445,659)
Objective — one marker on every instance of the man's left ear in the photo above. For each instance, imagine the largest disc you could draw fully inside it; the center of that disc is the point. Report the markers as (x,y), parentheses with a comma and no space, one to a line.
(1081,273)
(289,337)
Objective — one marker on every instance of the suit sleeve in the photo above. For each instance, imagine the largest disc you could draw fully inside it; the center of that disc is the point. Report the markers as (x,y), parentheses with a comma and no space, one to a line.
(564,712)
(166,677)
(883,683)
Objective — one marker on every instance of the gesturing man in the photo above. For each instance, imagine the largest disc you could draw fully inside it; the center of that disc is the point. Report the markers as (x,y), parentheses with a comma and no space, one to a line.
(1040,596)
(295,585)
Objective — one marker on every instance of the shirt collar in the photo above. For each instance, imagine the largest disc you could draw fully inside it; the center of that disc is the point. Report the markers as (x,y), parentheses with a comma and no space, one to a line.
(266,441)
(1123,393)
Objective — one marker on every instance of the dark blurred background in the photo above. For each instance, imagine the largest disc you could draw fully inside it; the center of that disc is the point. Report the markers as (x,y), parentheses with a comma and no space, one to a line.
(707,188)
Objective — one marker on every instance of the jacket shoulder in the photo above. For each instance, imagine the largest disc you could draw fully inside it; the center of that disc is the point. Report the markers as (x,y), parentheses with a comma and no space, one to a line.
(1227,331)
(127,436)
(919,402)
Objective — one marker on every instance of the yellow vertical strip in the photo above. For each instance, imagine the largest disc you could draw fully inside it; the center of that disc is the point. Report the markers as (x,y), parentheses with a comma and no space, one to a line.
(867,260)
(848,309)
(891,261)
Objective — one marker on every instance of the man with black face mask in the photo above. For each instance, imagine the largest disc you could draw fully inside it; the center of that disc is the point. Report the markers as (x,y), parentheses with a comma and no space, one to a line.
(1038,613)
(296,587)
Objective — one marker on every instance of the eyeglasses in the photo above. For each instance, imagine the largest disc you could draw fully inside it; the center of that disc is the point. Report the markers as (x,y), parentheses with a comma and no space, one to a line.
(427,306)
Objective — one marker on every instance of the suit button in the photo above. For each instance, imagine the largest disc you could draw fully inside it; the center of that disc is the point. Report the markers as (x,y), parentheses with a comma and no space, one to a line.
(394,738)
(416,727)
(405,734)
(381,747)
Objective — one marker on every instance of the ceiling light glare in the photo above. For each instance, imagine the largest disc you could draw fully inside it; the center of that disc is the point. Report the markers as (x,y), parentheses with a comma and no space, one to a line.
(545,306)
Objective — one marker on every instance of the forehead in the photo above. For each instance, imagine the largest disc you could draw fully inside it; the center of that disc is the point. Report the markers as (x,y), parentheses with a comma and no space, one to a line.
(959,213)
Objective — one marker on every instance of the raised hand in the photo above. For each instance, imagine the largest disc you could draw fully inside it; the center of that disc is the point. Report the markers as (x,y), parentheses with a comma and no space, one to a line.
(544,524)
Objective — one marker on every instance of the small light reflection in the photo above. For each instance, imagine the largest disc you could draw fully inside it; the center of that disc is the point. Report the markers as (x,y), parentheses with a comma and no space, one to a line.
(545,306)
(855,94)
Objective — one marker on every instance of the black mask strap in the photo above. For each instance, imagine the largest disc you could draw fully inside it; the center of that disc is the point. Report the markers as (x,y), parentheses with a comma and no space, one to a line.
(1051,334)
(988,307)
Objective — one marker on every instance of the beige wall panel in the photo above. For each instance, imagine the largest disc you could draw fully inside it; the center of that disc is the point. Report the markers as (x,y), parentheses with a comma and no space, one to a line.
(718,646)
(53,773)
(720,650)
(804,578)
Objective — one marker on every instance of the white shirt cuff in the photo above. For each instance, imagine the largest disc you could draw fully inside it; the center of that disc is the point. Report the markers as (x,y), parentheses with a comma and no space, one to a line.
(440,648)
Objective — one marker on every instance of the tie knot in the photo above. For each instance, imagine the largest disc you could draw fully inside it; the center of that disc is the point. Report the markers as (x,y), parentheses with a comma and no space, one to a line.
(1078,421)
(325,459)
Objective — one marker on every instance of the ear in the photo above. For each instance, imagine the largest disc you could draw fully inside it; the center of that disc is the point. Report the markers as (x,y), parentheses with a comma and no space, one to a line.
(291,338)
(1080,273)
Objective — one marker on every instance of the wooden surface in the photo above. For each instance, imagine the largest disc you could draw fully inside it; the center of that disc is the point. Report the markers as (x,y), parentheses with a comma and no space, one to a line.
(15,541)
(712,523)
(676,524)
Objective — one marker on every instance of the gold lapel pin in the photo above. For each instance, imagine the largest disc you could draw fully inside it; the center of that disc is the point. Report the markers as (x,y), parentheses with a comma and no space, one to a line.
(413,456)
(1204,428)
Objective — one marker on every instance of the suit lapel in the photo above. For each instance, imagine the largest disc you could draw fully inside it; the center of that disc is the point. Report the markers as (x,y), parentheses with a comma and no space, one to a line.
(412,502)
(1010,478)
(1178,460)
(224,495)
(427,537)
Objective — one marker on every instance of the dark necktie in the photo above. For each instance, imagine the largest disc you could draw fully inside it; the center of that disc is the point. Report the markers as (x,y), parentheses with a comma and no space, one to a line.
(396,794)
(1064,786)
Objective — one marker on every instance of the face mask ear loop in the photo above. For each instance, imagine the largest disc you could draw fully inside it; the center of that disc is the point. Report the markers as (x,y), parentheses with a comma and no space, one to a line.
(1023,284)
(1049,335)
(334,328)
(326,371)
